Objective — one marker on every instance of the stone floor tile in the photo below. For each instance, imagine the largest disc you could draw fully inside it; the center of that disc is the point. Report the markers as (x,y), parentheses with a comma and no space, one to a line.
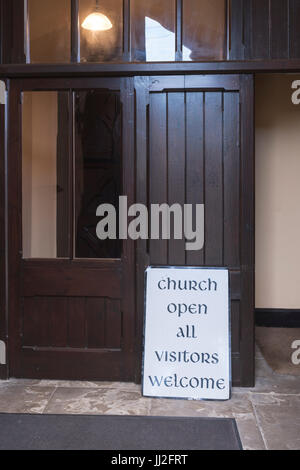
(126,386)
(249,433)
(24,399)
(239,406)
(258,352)
(22,382)
(278,417)
(285,384)
(97,401)
(262,369)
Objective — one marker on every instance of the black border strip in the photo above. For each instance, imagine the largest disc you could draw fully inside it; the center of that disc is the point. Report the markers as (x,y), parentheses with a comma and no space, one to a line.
(277,318)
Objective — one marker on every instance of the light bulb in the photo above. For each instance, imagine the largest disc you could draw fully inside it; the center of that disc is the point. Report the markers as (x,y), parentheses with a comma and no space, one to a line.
(97,22)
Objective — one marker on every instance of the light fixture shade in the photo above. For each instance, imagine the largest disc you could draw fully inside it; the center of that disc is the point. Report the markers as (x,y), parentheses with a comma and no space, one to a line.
(97,22)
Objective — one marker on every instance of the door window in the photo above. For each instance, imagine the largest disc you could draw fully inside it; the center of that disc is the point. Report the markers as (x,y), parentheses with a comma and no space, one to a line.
(45,181)
(97,170)
(70,166)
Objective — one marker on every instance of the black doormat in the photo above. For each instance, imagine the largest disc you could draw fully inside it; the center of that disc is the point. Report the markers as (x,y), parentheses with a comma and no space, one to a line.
(81,432)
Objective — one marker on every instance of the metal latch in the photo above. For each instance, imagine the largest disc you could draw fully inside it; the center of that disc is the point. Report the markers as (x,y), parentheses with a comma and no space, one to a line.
(2,92)
(2,353)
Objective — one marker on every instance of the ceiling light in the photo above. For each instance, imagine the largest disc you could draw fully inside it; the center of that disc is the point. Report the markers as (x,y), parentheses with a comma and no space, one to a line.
(97,21)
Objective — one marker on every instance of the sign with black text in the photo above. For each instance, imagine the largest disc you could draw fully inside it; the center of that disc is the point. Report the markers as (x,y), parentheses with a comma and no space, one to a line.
(187,340)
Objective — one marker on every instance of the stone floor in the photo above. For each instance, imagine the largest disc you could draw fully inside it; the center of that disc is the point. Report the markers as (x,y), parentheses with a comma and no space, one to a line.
(268,416)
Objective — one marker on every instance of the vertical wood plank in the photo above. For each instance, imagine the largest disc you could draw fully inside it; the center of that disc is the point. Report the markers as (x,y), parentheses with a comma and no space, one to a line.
(260,29)
(195,160)
(38,321)
(279,29)
(126,31)
(14,224)
(3,312)
(247,230)
(57,312)
(176,170)
(158,168)
(75,39)
(294,20)
(141,176)
(235,326)
(128,255)
(30,323)
(77,335)
(213,179)
(236,30)
(231,180)
(113,323)
(95,319)
(179,26)
(247,29)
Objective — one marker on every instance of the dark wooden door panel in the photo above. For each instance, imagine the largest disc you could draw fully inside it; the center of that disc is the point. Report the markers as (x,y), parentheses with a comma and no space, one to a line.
(74,317)
(68,322)
(72,279)
(195,159)
(199,151)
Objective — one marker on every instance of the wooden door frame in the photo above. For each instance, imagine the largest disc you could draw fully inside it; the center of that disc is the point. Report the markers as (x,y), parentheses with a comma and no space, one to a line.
(3,238)
(141,87)
(241,285)
(14,196)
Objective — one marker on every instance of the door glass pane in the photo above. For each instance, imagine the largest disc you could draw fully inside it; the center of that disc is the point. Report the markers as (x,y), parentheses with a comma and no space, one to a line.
(204,29)
(101,30)
(45,181)
(98,148)
(49,30)
(152,30)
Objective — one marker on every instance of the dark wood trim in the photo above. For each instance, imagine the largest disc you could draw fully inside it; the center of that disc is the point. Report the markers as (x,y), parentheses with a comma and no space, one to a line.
(277,317)
(178,29)
(3,279)
(75,39)
(158,68)
(128,303)
(142,261)
(13,32)
(126,31)
(247,254)
(1,31)
(228,28)
(14,218)
(58,84)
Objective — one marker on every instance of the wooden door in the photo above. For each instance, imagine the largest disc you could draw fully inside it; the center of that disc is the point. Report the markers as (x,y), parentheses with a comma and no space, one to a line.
(195,146)
(71,295)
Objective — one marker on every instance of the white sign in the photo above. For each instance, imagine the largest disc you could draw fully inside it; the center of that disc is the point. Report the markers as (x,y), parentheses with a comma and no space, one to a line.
(187,341)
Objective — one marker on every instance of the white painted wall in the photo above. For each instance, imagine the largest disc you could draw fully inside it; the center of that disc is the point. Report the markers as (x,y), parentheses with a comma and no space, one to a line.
(39,174)
(277,193)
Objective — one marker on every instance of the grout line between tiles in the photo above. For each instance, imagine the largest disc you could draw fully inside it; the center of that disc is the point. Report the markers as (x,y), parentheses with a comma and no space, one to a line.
(260,429)
(50,398)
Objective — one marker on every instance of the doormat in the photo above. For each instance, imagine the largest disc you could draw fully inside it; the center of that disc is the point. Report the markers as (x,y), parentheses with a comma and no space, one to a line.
(276,347)
(69,432)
